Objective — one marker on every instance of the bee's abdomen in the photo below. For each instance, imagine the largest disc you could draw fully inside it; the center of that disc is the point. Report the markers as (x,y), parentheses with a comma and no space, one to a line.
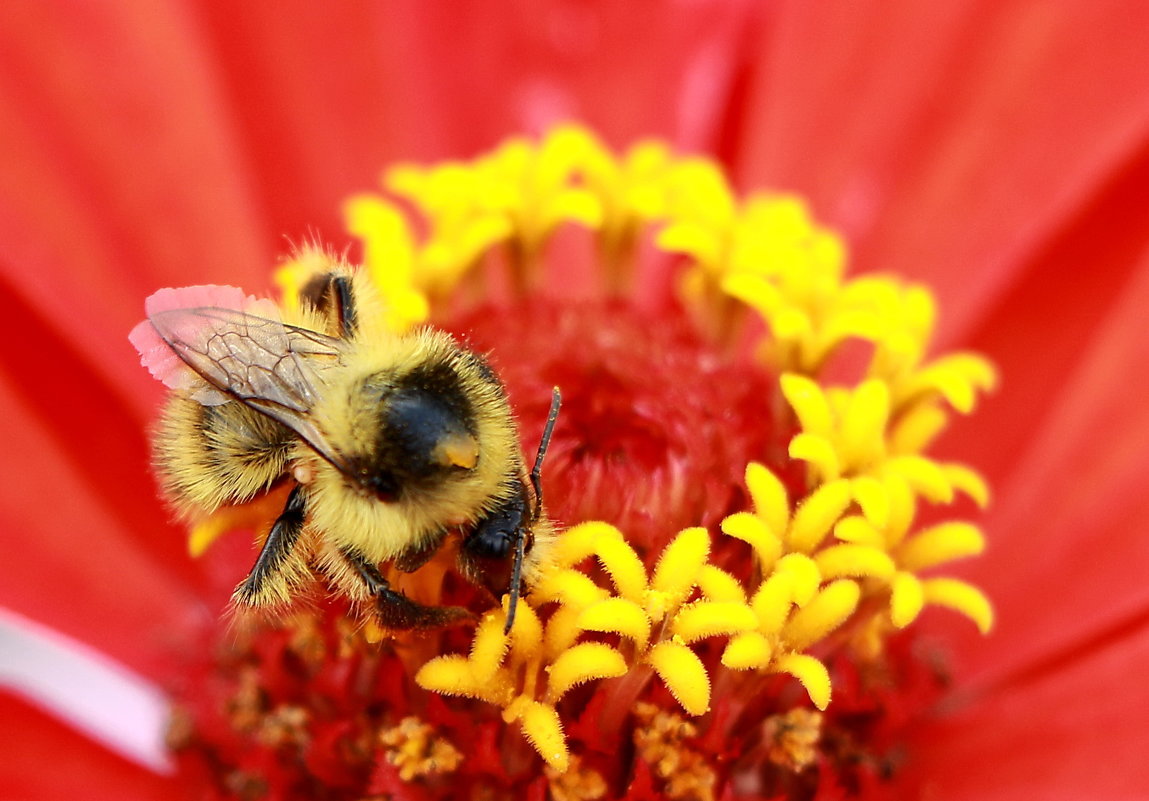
(209,456)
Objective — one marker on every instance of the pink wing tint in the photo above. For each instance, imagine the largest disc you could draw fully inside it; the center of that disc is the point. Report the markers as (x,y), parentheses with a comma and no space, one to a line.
(157,355)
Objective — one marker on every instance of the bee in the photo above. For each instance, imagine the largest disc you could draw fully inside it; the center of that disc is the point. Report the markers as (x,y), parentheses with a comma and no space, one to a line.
(389,442)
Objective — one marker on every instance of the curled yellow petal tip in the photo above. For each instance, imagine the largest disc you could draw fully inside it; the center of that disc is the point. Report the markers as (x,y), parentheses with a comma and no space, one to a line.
(702,619)
(579,542)
(617,615)
(718,585)
(939,544)
(678,567)
(906,599)
(811,673)
(626,570)
(818,513)
(859,561)
(828,610)
(961,597)
(449,675)
(768,493)
(683,674)
(544,730)
(584,662)
(747,651)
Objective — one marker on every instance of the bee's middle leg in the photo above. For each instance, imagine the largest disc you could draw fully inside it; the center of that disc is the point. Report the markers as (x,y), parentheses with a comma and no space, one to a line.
(396,610)
(266,583)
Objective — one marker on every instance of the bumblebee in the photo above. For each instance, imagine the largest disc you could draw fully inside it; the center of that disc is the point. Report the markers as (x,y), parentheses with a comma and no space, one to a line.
(389,442)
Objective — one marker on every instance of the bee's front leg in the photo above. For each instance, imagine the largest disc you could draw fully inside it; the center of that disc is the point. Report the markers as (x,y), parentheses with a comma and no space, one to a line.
(396,610)
(267,583)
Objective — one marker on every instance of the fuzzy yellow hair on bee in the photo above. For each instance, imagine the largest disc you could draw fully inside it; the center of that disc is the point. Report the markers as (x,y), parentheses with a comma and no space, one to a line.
(388,442)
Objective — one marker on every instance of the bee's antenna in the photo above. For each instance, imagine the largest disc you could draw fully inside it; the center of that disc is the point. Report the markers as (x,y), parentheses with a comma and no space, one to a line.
(544,443)
(537,485)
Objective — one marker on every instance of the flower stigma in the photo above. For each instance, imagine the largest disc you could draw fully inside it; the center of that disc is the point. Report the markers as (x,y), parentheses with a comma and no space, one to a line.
(750,518)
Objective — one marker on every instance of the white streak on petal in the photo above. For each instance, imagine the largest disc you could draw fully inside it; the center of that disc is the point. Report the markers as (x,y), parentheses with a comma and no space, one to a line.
(81,686)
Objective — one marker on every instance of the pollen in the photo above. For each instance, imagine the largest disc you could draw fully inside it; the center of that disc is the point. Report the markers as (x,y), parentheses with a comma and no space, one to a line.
(793,738)
(413,748)
(577,783)
(664,742)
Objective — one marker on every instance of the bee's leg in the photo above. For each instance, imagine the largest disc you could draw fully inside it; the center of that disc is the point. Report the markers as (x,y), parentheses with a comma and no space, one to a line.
(254,590)
(490,556)
(396,610)
(330,294)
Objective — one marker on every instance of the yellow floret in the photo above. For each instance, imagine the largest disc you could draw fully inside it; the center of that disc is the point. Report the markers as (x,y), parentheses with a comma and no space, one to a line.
(678,567)
(747,651)
(812,673)
(939,544)
(543,728)
(620,616)
(683,674)
(582,663)
(961,597)
(702,619)
(835,552)
(826,611)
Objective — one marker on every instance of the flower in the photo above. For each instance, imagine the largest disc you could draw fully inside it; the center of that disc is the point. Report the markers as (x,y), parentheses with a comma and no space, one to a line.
(1027,168)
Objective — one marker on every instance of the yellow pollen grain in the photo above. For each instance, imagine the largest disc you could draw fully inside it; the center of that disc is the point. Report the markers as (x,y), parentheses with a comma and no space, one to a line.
(662,740)
(793,738)
(412,747)
(576,783)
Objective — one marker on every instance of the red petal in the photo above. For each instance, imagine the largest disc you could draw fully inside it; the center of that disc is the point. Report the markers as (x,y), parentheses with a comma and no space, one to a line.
(81,416)
(1067,539)
(79,565)
(1077,732)
(1056,308)
(327,96)
(44,760)
(121,175)
(948,141)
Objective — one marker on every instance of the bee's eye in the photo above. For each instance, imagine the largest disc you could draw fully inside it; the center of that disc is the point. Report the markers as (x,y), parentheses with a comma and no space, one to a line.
(423,434)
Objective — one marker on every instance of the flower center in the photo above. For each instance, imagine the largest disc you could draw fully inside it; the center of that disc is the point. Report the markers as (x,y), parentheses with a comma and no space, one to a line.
(738,538)
(656,427)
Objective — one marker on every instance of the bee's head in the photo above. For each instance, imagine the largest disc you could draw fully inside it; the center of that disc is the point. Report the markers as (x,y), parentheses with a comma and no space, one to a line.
(425,433)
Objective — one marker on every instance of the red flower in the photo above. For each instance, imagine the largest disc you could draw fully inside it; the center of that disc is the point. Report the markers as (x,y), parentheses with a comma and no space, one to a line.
(997,153)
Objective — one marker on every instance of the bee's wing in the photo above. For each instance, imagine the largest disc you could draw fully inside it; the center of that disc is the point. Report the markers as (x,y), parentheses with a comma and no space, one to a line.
(259,360)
